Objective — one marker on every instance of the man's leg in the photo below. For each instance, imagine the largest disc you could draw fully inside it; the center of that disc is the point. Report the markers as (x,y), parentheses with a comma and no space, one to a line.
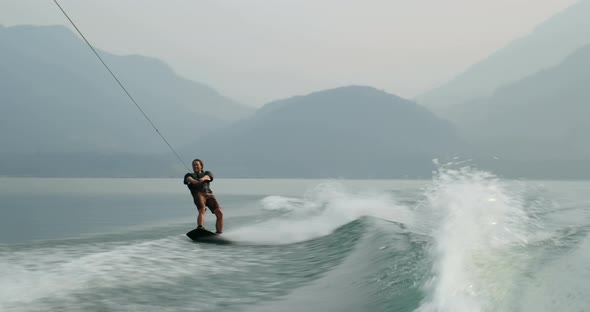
(201,217)
(200,203)
(219,223)
(213,204)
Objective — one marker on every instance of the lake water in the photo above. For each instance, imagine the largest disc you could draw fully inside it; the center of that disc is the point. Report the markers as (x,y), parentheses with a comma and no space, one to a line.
(463,241)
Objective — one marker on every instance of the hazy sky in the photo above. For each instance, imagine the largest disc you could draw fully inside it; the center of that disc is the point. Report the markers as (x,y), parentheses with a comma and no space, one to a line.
(256,51)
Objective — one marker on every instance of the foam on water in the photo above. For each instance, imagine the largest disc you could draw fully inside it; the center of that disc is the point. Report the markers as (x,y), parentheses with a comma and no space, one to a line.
(475,252)
(281,203)
(323,209)
(62,271)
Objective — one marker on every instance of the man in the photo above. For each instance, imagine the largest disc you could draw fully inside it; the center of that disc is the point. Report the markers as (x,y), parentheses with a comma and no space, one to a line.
(198,184)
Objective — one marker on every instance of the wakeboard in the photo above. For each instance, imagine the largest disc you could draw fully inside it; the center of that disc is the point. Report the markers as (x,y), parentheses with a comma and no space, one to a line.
(205,236)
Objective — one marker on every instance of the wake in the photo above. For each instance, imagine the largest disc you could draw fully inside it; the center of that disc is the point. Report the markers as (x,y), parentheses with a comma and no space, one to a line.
(320,212)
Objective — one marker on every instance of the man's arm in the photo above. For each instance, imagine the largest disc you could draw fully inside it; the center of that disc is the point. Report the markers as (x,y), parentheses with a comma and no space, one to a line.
(209,175)
(188,179)
(191,180)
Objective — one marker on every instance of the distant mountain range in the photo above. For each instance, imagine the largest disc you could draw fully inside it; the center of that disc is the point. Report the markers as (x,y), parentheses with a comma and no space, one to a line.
(58,98)
(60,106)
(550,43)
(61,114)
(523,109)
(345,132)
(538,125)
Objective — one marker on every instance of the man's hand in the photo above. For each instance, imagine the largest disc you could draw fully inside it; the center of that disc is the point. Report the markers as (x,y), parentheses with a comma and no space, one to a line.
(205,178)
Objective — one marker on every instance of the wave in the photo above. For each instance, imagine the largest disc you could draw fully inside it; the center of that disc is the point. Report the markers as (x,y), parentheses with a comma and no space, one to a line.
(31,277)
(323,209)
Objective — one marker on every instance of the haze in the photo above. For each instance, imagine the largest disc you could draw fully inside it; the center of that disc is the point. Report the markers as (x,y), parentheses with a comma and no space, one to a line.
(257,51)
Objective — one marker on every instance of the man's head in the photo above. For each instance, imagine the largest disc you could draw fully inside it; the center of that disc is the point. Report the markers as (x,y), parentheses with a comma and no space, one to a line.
(197,165)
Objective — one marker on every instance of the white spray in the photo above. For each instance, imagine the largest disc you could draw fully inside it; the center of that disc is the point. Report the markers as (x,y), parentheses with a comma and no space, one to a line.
(322,210)
(475,249)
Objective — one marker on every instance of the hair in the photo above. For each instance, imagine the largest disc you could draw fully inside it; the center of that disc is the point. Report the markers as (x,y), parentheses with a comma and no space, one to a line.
(196,159)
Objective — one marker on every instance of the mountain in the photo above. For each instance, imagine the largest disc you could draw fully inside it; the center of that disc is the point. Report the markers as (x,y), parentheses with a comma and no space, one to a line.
(354,131)
(537,126)
(545,47)
(56,95)
(57,100)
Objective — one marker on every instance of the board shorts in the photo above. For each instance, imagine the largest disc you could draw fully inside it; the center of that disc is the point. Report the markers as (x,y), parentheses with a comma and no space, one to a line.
(203,199)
